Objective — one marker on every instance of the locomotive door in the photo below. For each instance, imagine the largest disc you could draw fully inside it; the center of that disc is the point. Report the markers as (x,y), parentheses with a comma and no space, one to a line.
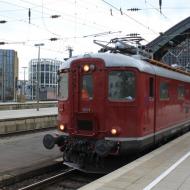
(88,96)
(150,105)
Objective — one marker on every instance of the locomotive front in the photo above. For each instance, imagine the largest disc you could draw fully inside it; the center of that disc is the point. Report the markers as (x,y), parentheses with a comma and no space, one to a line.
(81,114)
(96,110)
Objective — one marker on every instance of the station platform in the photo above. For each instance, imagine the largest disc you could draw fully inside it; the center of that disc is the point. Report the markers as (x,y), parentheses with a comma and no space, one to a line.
(26,105)
(166,168)
(20,155)
(12,121)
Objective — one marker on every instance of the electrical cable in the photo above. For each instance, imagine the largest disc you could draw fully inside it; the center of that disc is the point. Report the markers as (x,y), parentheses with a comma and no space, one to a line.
(130,17)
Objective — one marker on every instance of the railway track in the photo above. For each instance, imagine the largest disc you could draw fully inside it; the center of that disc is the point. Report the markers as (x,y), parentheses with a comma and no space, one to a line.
(48,181)
(59,177)
(68,178)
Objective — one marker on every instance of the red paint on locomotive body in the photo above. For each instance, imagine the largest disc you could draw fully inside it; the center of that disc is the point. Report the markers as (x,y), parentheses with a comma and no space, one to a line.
(172,110)
(117,104)
(140,116)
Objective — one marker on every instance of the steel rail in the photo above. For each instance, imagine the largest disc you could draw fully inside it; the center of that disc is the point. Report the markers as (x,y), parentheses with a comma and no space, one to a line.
(47,181)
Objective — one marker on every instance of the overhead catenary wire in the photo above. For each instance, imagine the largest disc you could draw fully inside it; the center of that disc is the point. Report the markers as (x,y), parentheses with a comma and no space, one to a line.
(93,25)
(39,27)
(63,36)
(154,8)
(48,15)
(96,24)
(74,37)
(130,17)
(70,17)
(20,6)
(38,5)
(30,45)
(43,21)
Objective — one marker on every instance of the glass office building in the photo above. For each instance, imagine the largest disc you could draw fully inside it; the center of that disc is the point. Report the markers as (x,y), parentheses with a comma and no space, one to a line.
(47,78)
(8,74)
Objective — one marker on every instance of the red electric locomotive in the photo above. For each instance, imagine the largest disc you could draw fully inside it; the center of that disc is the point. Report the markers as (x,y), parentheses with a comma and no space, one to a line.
(117,103)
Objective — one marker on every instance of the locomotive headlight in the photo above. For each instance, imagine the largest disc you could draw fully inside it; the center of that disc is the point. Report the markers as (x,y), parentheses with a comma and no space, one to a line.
(62,127)
(86,68)
(114,131)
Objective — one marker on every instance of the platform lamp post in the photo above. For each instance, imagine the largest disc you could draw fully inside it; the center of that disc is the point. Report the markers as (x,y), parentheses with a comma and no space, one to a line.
(38,75)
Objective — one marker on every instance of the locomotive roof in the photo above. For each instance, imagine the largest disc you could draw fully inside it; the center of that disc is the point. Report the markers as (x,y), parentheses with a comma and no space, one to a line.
(120,60)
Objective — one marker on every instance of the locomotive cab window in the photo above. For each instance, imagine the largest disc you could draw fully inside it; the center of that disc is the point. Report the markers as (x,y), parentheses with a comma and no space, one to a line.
(164,91)
(121,85)
(63,86)
(87,87)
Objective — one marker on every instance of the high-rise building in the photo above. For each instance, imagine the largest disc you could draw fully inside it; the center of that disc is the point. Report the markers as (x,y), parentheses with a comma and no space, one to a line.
(8,74)
(47,78)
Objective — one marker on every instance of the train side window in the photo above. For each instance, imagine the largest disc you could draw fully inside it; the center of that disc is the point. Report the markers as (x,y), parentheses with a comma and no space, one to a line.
(164,90)
(122,85)
(151,87)
(181,92)
(63,86)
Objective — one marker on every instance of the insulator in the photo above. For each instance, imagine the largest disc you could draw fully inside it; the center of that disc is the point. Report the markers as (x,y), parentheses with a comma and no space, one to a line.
(160,4)
(134,9)
(55,16)
(111,12)
(3,21)
(53,39)
(29,15)
(133,35)
(121,11)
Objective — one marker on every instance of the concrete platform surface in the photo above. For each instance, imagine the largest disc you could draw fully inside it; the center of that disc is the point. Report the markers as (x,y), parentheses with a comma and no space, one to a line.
(167,168)
(23,113)
(21,153)
(26,105)
(13,121)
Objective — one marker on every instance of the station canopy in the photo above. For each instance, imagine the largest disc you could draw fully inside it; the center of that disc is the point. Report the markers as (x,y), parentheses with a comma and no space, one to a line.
(173,46)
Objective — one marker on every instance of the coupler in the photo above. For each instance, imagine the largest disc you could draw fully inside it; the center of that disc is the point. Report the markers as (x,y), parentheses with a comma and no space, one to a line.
(49,141)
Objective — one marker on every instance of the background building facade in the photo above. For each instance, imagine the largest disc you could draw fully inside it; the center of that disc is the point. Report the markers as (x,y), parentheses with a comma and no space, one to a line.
(173,46)
(179,55)
(47,78)
(8,75)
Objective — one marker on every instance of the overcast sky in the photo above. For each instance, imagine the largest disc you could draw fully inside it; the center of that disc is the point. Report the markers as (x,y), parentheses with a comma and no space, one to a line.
(78,22)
